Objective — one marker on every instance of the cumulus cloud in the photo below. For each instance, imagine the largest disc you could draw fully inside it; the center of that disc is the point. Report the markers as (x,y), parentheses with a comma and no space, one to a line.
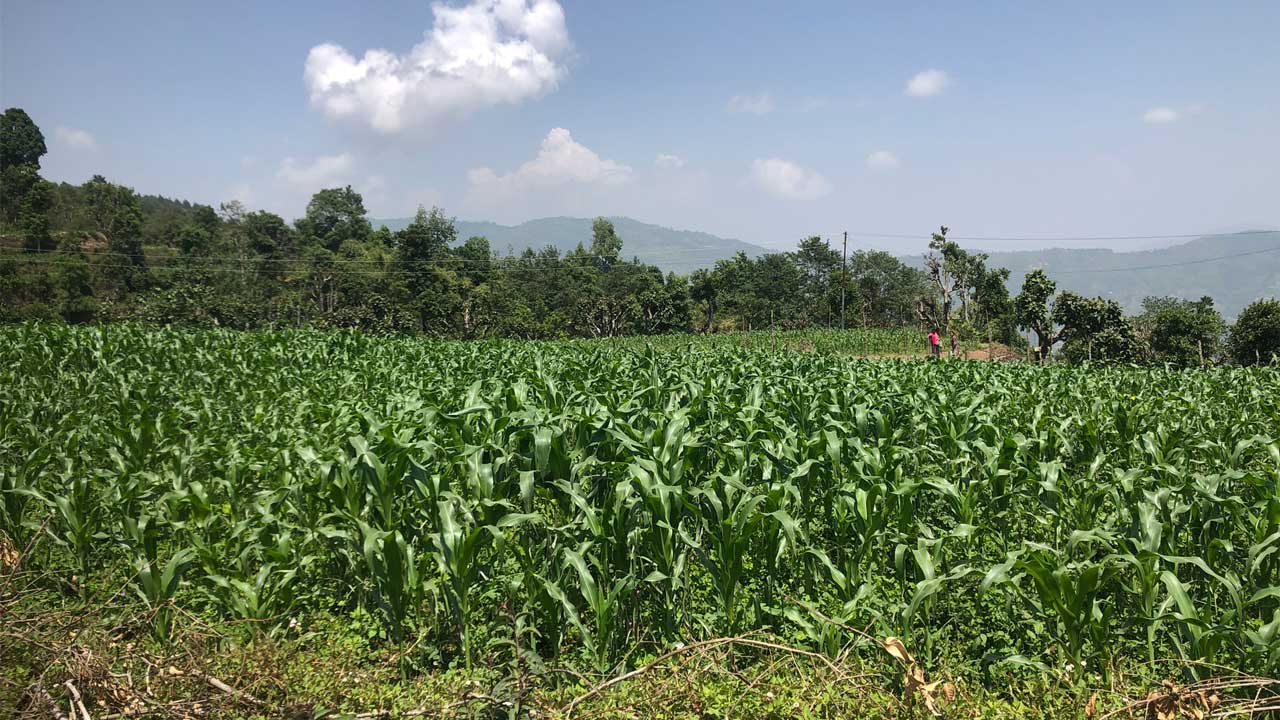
(926,83)
(322,170)
(760,104)
(484,53)
(74,138)
(788,180)
(1160,116)
(882,160)
(668,161)
(560,160)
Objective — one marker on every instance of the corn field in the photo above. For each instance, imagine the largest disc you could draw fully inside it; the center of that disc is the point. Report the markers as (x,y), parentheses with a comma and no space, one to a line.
(604,497)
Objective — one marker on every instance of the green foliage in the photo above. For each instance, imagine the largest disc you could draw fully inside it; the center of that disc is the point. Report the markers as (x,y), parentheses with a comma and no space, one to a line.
(21,142)
(33,217)
(613,496)
(333,216)
(1031,309)
(1255,338)
(605,243)
(1181,332)
(21,147)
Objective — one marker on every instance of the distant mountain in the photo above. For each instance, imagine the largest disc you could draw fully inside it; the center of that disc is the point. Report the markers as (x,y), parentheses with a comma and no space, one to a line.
(681,251)
(1233,269)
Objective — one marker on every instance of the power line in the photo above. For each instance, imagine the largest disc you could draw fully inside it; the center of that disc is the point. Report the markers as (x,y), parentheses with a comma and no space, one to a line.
(1184,263)
(1082,238)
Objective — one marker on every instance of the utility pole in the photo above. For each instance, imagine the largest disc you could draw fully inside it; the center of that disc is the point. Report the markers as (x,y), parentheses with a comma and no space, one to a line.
(844,252)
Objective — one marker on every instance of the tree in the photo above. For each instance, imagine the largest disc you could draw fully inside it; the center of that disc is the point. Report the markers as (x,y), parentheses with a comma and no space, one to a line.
(335,215)
(819,265)
(427,239)
(21,147)
(231,211)
(21,142)
(1181,332)
(702,290)
(422,250)
(1255,338)
(193,240)
(115,212)
(947,268)
(476,259)
(269,235)
(606,246)
(1095,329)
(882,290)
(33,216)
(204,217)
(1031,310)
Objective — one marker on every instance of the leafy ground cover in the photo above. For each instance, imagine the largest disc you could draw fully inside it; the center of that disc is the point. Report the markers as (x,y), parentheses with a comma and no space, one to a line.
(327,522)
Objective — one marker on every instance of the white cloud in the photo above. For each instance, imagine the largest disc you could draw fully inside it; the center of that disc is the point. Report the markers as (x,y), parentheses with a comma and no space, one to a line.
(926,83)
(1160,116)
(322,170)
(755,104)
(668,161)
(785,179)
(74,138)
(484,53)
(883,159)
(560,160)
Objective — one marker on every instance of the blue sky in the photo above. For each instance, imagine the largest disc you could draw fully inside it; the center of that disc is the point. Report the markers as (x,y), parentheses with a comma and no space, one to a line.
(762,121)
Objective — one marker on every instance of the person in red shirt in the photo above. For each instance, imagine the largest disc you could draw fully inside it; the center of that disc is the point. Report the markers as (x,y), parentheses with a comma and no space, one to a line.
(935,342)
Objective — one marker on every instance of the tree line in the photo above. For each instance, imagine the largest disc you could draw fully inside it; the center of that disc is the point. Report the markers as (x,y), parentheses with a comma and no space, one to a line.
(101,252)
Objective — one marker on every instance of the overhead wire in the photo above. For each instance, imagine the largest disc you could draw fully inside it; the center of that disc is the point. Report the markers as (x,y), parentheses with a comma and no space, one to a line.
(1062,238)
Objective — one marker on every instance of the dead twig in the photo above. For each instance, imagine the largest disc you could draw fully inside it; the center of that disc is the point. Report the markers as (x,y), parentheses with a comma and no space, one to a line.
(79,704)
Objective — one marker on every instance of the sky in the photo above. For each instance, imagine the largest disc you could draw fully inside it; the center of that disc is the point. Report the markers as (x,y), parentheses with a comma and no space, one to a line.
(762,121)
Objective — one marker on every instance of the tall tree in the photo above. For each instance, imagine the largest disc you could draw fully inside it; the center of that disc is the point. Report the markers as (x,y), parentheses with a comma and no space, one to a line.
(21,147)
(883,290)
(945,265)
(1181,332)
(335,215)
(1255,338)
(423,253)
(21,142)
(33,216)
(1031,309)
(427,239)
(115,211)
(818,264)
(605,243)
